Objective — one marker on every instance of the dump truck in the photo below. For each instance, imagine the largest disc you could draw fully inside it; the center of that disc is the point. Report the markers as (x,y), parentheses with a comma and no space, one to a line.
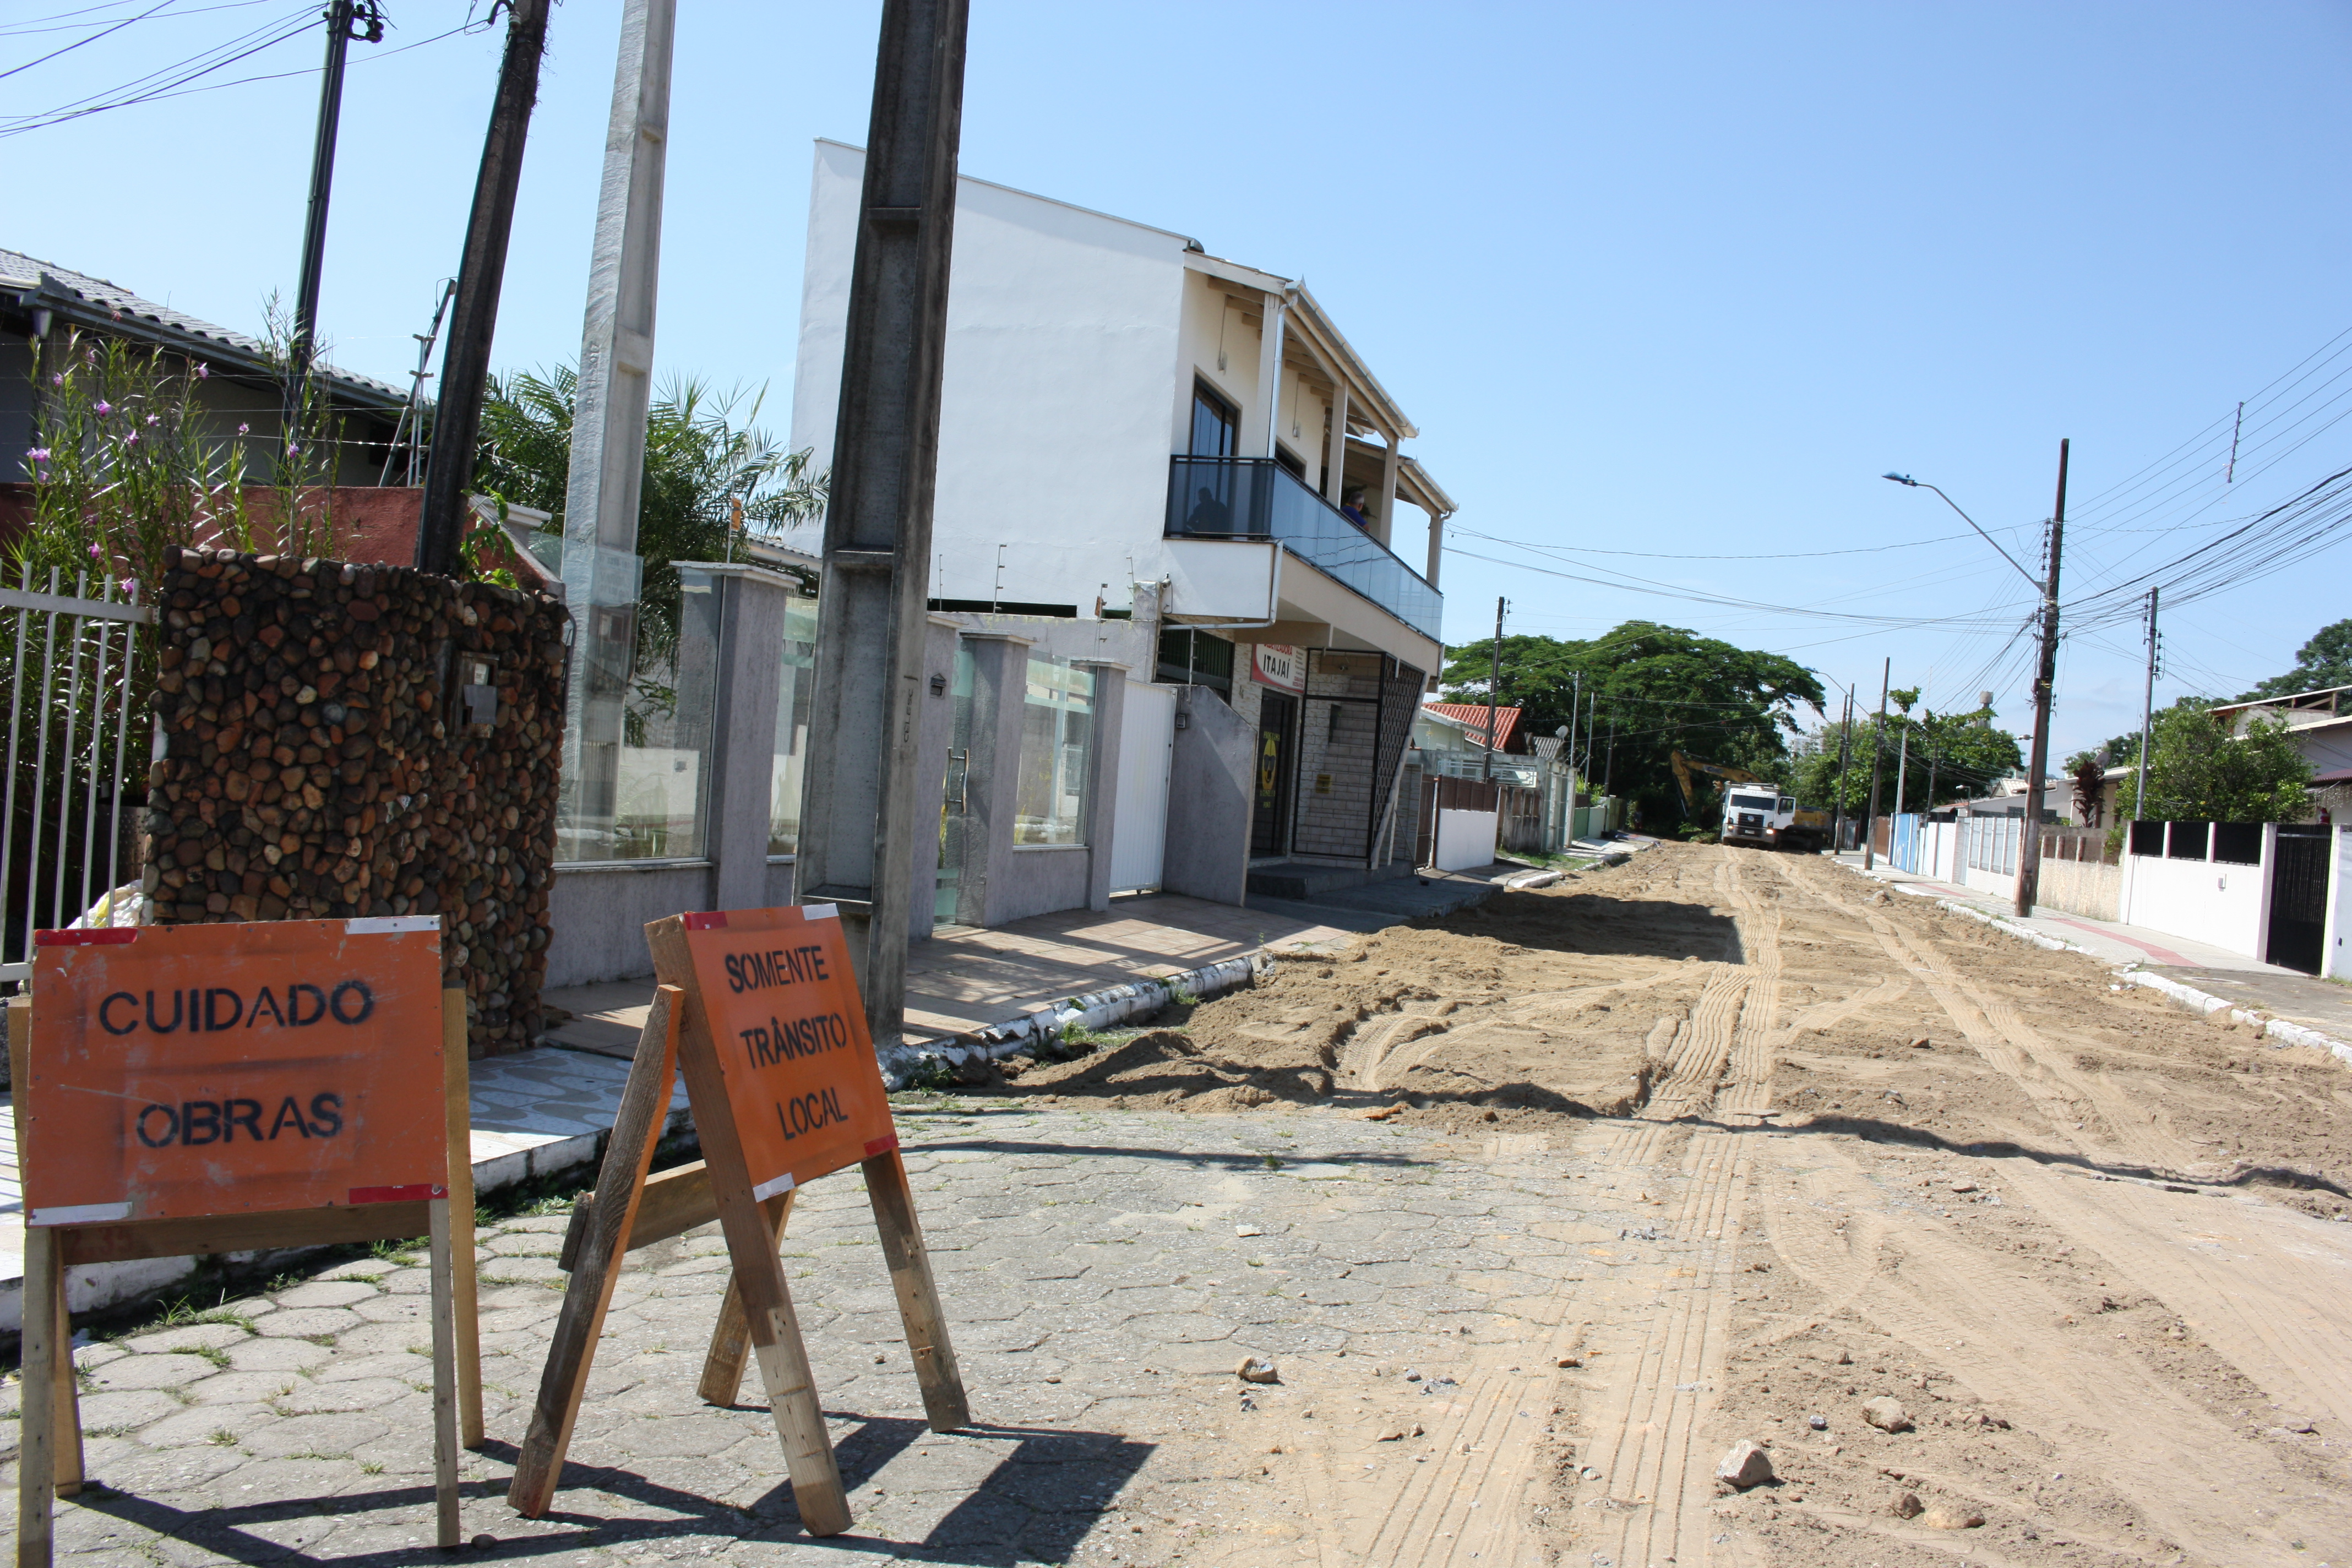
(1755,810)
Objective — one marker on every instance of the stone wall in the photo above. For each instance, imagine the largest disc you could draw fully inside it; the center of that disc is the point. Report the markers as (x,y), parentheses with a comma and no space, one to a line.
(328,750)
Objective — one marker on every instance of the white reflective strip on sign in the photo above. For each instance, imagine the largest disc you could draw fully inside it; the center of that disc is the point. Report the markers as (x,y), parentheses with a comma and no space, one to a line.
(821,911)
(79,1213)
(379,925)
(767,1190)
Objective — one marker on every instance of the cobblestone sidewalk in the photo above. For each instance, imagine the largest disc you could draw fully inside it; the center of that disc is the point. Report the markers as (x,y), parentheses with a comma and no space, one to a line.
(1103,1272)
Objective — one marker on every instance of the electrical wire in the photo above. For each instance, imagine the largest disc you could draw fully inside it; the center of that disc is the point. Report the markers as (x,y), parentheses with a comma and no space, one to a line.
(77,43)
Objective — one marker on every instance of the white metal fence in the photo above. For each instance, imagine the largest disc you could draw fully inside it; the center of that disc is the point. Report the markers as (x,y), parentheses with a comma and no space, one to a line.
(70,662)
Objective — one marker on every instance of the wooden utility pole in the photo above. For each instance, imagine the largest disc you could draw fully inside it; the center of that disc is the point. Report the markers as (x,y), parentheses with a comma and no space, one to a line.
(1845,751)
(466,364)
(1493,689)
(862,814)
(1878,758)
(2028,858)
(341,15)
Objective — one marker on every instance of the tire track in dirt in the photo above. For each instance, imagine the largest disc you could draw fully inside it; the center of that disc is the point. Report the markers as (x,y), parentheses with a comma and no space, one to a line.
(2097,1401)
(1645,1433)
(2263,1285)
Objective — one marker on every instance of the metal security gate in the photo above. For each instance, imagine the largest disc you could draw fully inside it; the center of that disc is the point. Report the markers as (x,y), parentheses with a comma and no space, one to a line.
(2299,897)
(72,760)
(1146,747)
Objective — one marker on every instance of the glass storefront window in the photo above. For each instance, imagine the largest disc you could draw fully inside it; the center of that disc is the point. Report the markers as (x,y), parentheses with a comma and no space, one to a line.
(1058,737)
(638,765)
(793,693)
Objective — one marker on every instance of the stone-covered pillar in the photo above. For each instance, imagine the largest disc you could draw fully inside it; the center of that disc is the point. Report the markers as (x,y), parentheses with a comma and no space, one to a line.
(1000,678)
(1102,780)
(743,610)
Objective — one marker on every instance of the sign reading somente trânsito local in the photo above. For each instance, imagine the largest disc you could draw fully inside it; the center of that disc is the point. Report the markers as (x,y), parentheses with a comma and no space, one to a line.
(187,1071)
(802,1079)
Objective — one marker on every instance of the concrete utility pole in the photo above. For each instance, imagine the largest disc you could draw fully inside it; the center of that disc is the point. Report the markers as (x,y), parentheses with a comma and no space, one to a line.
(861,814)
(1837,806)
(1493,689)
(1877,757)
(2146,715)
(341,15)
(600,567)
(466,365)
(2028,858)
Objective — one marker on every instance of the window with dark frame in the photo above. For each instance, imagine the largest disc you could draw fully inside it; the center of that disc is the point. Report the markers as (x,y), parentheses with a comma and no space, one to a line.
(1216,423)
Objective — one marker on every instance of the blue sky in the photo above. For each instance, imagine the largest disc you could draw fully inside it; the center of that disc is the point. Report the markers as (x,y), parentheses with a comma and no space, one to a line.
(1676,280)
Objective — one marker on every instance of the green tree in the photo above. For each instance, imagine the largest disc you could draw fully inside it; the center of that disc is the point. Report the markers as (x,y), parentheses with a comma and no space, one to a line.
(2324,661)
(1952,757)
(2198,770)
(701,461)
(1662,690)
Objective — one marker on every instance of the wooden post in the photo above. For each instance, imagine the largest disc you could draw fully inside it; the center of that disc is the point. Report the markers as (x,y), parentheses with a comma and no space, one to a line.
(730,1337)
(919,1299)
(456,1083)
(65,1424)
(612,1211)
(450,1530)
(767,1300)
(37,1420)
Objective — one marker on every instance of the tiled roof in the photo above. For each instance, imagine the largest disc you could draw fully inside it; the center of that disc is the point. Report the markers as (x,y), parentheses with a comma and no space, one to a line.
(1507,721)
(29,278)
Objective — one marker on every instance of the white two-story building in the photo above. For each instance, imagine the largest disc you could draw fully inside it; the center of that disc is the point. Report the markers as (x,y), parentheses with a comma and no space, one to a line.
(1171,473)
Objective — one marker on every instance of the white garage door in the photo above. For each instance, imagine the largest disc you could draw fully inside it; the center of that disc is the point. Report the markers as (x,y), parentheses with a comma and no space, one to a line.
(1146,743)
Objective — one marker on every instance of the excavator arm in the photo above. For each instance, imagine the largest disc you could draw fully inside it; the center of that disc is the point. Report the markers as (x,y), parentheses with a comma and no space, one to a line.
(1685,766)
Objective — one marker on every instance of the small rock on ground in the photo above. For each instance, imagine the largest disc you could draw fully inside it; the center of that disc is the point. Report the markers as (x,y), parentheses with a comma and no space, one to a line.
(1887,1414)
(1746,1465)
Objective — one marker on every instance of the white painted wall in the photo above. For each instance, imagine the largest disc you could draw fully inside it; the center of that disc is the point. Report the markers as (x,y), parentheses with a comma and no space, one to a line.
(2222,905)
(2335,951)
(1466,839)
(1146,744)
(1062,347)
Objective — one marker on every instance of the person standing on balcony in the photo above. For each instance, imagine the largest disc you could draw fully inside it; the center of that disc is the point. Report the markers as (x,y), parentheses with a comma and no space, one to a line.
(1351,506)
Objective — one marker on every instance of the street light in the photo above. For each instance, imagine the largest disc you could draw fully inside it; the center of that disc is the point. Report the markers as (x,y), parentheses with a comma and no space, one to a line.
(1988,539)
(2029,860)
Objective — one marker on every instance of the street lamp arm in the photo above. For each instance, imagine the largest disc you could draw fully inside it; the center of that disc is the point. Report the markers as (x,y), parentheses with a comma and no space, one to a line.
(1988,539)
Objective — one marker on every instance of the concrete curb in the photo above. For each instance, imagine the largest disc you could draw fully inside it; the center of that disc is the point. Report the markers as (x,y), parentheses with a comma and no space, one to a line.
(2188,996)
(1103,1009)
(2204,1003)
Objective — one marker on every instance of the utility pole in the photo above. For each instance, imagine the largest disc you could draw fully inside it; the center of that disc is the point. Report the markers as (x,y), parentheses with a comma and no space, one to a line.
(601,571)
(1493,689)
(2146,715)
(861,812)
(342,17)
(2028,858)
(474,320)
(1845,738)
(1902,764)
(1877,757)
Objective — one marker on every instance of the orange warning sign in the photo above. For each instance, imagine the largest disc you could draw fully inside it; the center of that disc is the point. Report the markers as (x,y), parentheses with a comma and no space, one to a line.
(784,1011)
(187,1071)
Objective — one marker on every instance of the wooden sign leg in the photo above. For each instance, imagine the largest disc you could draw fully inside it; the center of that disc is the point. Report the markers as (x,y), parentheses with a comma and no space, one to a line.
(450,1528)
(612,1211)
(456,1086)
(37,1417)
(919,1300)
(731,1339)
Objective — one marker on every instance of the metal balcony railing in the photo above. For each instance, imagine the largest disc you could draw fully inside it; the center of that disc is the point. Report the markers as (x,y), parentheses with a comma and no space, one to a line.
(1258,499)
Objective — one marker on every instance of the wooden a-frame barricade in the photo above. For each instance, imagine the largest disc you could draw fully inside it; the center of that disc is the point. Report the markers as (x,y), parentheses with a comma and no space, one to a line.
(796,1049)
(149,1209)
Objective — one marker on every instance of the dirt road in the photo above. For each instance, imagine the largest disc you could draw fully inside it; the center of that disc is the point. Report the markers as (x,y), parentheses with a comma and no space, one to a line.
(1840,1148)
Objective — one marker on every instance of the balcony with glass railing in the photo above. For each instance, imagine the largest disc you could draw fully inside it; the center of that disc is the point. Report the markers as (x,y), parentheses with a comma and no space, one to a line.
(1256,499)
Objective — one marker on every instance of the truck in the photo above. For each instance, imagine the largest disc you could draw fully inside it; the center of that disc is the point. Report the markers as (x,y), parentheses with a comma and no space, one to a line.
(1755,810)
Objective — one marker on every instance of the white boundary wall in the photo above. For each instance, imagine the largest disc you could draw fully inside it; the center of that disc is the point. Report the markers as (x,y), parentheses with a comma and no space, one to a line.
(2223,905)
(1466,839)
(2335,954)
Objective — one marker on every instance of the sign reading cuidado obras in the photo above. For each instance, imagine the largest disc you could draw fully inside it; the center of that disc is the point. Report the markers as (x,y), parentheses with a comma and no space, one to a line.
(204,1070)
(783,1010)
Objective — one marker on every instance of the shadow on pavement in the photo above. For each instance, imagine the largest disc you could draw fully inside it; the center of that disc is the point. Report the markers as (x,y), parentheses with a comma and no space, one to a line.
(1043,1494)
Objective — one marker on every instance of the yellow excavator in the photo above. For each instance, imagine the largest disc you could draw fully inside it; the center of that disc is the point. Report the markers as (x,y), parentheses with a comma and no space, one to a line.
(1758,814)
